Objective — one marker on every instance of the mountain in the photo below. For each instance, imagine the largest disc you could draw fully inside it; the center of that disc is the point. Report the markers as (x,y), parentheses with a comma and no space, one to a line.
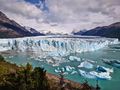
(34,32)
(111,31)
(11,29)
(79,32)
(55,33)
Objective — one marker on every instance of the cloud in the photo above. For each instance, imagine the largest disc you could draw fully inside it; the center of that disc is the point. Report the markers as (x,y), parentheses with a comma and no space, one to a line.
(21,8)
(77,10)
(68,14)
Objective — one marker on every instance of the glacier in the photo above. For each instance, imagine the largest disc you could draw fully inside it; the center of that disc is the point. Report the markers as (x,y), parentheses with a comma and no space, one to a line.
(57,45)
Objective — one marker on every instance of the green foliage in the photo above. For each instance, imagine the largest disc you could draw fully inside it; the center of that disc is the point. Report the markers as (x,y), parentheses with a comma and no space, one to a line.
(1,58)
(26,79)
(40,79)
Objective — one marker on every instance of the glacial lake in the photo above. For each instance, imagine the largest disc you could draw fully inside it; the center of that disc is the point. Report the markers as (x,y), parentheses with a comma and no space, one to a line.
(70,62)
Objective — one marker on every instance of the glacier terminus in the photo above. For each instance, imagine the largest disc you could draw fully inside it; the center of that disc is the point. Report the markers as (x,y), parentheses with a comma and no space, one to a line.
(57,45)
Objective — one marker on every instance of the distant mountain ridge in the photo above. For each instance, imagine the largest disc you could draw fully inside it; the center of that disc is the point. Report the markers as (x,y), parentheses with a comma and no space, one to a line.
(11,29)
(79,32)
(33,31)
(110,31)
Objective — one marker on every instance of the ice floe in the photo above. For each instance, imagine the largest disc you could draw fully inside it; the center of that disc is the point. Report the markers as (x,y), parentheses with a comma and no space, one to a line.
(74,72)
(86,74)
(95,75)
(101,75)
(66,69)
(86,64)
(69,68)
(104,69)
(112,62)
(72,58)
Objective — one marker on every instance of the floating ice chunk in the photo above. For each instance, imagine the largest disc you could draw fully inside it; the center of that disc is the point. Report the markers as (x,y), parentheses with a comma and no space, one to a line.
(38,59)
(96,75)
(73,72)
(86,74)
(86,64)
(50,61)
(91,61)
(69,68)
(72,58)
(115,63)
(11,56)
(101,75)
(63,69)
(56,64)
(104,69)
(57,71)
(66,69)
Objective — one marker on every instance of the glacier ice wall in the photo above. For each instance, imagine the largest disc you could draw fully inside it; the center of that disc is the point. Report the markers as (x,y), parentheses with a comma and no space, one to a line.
(55,46)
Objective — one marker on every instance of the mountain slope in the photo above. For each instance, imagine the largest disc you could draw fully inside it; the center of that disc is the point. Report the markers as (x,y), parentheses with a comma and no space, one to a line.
(79,32)
(111,31)
(34,32)
(11,29)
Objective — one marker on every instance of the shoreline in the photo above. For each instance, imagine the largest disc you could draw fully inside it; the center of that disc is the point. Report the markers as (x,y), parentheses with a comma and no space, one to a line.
(56,78)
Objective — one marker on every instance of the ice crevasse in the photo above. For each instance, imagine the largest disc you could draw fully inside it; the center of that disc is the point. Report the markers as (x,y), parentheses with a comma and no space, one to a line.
(54,45)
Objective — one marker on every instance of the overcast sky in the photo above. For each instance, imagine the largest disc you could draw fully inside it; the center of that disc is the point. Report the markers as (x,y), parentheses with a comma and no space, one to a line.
(62,15)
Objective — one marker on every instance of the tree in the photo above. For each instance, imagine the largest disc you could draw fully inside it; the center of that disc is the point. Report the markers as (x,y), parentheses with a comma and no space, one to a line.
(62,83)
(1,58)
(40,79)
(24,77)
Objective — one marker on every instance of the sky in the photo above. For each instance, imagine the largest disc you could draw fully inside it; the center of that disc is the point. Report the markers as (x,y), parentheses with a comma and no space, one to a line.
(62,16)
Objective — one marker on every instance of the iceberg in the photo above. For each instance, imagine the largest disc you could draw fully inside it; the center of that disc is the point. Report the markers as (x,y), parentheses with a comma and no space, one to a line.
(86,74)
(86,64)
(72,58)
(95,75)
(56,46)
(66,69)
(104,69)
(69,68)
(74,72)
(101,75)
(57,71)
(114,63)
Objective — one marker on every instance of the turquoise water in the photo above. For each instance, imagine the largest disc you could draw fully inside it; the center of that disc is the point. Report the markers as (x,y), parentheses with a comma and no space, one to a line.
(111,52)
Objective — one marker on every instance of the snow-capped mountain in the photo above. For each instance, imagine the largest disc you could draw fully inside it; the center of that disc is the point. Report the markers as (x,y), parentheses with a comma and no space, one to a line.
(33,31)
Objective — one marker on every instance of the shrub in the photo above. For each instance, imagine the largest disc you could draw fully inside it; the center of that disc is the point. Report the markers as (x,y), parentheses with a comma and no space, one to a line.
(1,58)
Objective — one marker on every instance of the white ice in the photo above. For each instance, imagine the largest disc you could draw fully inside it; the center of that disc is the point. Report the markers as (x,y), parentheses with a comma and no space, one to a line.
(101,75)
(107,69)
(86,74)
(72,58)
(86,64)
(56,46)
